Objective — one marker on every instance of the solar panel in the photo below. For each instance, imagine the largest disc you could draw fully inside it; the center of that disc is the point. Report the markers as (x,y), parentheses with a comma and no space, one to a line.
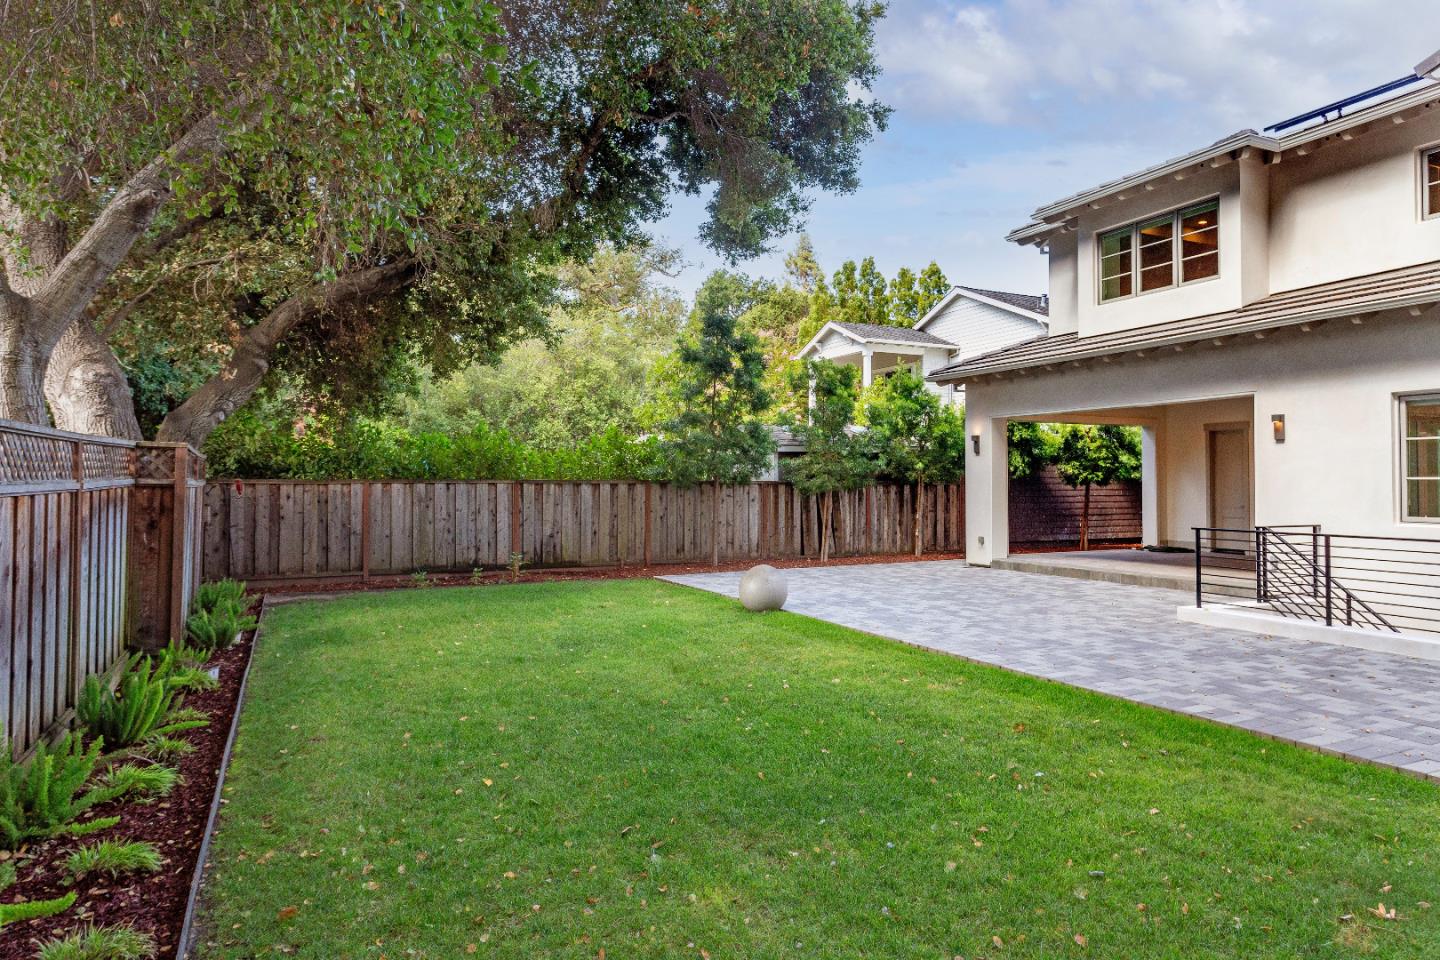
(1338,107)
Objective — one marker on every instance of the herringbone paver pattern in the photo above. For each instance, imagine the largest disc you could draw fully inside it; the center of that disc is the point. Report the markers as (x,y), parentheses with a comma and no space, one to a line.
(1126,641)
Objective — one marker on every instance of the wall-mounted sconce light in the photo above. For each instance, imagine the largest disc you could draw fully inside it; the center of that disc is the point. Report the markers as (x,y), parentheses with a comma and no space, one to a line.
(1277,426)
(975,443)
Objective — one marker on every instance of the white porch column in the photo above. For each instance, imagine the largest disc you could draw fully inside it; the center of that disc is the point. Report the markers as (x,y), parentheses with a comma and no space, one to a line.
(1149,488)
(987,491)
(866,363)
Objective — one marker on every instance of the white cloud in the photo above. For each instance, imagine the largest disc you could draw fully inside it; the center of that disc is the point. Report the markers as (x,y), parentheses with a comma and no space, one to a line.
(1224,63)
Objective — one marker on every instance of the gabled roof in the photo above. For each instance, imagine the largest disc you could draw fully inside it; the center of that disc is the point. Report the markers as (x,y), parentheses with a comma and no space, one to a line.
(877,333)
(1030,306)
(1394,289)
(1049,218)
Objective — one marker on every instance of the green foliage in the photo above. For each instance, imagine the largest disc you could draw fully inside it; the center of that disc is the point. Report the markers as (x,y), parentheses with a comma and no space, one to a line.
(32,909)
(593,372)
(100,943)
(216,629)
(715,437)
(420,579)
(135,711)
(216,593)
(113,858)
(148,780)
(1031,446)
(915,437)
(166,749)
(365,449)
(182,667)
(835,458)
(45,796)
(1098,455)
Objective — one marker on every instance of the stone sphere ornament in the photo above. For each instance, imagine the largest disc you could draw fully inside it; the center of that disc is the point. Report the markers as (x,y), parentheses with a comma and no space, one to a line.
(763,588)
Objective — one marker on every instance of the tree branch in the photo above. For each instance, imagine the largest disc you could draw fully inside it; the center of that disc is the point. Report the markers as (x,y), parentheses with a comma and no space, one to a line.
(222,394)
(73,283)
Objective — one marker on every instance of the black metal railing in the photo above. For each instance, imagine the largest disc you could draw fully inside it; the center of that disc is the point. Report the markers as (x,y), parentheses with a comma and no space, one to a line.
(1390,584)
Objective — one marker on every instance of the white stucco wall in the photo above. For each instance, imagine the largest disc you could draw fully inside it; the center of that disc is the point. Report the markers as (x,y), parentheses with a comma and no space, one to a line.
(1345,208)
(1336,385)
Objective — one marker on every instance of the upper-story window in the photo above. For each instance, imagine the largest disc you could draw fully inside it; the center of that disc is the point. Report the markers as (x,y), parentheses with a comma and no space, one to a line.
(1177,247)
(1430,182)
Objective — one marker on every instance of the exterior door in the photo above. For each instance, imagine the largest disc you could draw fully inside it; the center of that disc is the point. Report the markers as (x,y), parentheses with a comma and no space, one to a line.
(1230,478)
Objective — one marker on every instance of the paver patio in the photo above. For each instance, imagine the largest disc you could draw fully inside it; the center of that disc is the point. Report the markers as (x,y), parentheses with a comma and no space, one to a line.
(1126,641)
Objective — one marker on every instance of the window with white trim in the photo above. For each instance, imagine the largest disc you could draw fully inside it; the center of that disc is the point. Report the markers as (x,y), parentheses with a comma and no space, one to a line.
(1420,425)
(1430,183)
(1175,248)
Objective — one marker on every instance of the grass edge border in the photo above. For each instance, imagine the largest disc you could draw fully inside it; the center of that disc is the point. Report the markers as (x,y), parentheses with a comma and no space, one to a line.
(189,931)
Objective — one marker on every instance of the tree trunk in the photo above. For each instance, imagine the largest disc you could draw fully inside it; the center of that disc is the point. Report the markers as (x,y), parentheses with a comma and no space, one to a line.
(22,358)
(919,518)
(825,534)
(86,388)
(1085,521)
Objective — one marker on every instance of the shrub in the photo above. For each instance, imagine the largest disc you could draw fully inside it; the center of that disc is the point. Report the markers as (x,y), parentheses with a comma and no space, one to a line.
(217,593)
(134,712)
(216,629)
(113,858)
(180,667)
(44,798)
(100,943)
(17,912)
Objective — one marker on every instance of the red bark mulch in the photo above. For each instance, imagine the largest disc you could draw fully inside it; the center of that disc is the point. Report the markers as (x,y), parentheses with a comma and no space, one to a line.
(153,903)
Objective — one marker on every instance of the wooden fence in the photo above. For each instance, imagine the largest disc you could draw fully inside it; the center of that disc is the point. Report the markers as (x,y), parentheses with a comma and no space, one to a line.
(1044,511)
(271,529)
(75,515)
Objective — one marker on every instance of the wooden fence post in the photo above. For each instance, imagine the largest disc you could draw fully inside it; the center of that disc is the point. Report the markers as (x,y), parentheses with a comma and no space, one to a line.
(77,670)
(649,489)
(365,494)
(179,523)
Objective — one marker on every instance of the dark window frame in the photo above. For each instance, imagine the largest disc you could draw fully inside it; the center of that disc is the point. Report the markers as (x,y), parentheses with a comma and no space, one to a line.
(1134,270)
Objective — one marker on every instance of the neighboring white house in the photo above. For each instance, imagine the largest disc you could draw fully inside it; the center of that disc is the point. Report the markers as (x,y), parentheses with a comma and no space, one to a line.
(966,322)
(1265,308)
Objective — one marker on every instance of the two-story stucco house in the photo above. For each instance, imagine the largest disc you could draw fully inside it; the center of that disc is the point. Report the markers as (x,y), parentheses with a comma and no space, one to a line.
(967,322)
(1265,309)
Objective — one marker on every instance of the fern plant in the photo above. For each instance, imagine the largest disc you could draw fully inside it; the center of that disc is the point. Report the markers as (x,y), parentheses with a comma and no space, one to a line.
(217,593)
(216,629)
(16,912)
(146,781)
(46,796)
(135,711)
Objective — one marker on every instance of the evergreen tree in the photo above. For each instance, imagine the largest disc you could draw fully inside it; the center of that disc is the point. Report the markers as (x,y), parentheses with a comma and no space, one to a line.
(933,287)
(1097,456)
(915,438)
(834,459)
(715,437)
(802,267)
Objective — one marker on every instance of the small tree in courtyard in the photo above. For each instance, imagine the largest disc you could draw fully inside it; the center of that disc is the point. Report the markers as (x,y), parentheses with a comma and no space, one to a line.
(1097,456)
(915,438)
(714,438)
(834,459)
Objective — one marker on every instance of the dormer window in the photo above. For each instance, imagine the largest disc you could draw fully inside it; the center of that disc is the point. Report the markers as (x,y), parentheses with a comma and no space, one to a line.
(1430,182)
(1165,251)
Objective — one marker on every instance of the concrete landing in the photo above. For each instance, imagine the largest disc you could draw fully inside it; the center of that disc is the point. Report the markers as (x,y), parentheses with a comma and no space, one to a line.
(1140,568)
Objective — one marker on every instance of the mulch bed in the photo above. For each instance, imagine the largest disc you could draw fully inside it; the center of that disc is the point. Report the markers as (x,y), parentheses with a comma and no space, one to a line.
(153,903)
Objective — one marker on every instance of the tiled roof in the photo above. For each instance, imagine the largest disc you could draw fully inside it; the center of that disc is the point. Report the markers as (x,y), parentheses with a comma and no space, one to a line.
(1025,301)
(880,332)
(1394,289)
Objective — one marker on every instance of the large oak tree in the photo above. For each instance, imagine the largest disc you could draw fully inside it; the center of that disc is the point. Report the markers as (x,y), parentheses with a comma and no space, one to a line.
(410,163)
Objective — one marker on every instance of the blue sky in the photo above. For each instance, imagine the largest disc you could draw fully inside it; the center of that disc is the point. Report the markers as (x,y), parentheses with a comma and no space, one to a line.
(1003,106)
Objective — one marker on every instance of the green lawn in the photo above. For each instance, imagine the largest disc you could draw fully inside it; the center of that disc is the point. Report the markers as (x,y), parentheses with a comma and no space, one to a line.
(553,770)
